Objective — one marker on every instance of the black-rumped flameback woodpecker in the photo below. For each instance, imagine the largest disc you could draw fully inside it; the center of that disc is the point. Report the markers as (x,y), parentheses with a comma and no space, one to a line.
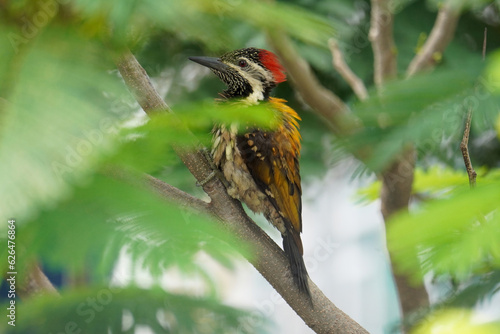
(262,165)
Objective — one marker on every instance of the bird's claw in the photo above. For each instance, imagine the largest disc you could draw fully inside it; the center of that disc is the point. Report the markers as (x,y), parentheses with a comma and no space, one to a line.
(215,171)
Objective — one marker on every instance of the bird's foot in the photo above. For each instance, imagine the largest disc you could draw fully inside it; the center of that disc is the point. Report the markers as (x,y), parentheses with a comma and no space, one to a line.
(215,171)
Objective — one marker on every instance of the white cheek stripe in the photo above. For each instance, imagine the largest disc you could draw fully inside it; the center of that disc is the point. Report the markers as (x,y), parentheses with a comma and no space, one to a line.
(257,94)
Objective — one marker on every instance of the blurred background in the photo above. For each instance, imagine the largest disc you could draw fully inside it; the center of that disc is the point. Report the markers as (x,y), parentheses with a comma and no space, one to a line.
(74,145)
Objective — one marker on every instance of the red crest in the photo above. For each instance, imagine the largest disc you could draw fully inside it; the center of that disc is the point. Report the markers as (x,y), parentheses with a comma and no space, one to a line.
(271,62)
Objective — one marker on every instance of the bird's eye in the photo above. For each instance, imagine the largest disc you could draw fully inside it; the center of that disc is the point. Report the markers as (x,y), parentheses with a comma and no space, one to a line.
(242,63)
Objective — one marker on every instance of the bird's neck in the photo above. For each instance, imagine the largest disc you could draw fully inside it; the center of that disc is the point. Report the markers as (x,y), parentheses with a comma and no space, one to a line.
(249,95)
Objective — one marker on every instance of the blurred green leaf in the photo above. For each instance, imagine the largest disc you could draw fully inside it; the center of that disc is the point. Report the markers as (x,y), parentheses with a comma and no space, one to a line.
(462,5)
(479,288)
(436,180)
(88,232)
(148,147)
(456,235)
(203,115)
(272,16)
(493,71)
(98,309)
(458,321)
(57,123)
(209,21)
(419,109)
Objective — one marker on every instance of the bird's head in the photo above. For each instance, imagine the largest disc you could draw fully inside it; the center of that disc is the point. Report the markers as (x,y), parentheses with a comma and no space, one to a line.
(249,73)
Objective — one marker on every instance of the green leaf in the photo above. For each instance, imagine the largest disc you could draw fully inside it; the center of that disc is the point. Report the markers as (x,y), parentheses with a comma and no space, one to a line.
(458,321)
(434,181)
(272,16)
(148,147)
(57,122)
(479,288)
(103,309)
(203,115)
(88,232)
(421,109)
(209,21)
(456,235)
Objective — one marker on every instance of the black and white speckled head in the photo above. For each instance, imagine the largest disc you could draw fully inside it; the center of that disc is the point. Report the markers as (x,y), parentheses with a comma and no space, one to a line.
(249,73)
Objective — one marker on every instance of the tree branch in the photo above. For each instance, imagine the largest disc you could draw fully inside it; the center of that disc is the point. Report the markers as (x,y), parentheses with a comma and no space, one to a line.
(397,182)
(380,35)
(345,71)
(140,85)
(178,196)
(36,283)
(397,179)
(464,147)
(441,35)
(328,105)
(268,258)
(485,40)
(162,189)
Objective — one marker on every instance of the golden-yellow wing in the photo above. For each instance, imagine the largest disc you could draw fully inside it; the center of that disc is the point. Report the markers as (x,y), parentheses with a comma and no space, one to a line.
(272,157)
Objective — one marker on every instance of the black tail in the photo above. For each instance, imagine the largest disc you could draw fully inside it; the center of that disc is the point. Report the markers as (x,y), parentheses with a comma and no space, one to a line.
(296,261)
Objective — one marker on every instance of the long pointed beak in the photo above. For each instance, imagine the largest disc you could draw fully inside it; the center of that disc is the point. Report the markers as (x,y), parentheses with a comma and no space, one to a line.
(210,62)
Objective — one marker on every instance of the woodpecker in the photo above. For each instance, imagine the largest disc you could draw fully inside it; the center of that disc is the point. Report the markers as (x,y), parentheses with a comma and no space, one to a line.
(261,166)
